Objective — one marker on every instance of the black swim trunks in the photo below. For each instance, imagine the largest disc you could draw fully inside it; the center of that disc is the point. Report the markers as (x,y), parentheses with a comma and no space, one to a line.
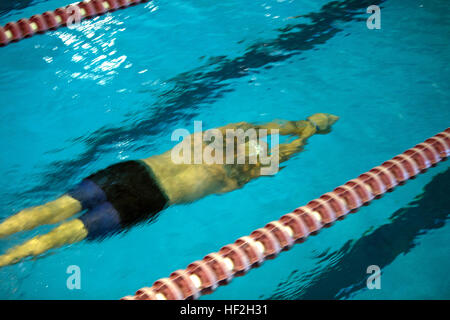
(118,197)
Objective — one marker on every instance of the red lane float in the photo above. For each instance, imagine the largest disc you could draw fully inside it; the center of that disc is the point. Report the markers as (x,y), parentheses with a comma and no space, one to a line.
(51,20)
(204,276)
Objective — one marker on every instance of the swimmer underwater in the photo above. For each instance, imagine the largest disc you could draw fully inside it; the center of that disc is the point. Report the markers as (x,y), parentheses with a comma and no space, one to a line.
(127,193)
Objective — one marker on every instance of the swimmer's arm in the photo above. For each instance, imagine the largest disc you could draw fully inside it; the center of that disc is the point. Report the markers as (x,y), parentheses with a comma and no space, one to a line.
(284,127)
(317,123)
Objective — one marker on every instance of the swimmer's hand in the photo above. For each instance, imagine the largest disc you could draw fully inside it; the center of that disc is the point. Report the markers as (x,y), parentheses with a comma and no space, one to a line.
(323,121)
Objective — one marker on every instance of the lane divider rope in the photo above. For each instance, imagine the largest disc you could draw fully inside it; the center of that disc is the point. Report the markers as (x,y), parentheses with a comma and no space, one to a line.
(51,20)
(219,268)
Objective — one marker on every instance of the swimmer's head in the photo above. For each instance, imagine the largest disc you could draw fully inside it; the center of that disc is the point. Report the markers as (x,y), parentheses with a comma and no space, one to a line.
(323,121)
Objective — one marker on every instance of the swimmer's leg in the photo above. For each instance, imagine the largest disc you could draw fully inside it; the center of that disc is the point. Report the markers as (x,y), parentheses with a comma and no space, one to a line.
(67,233)
(84,196)
(97,223)
(49,213)
(128,186)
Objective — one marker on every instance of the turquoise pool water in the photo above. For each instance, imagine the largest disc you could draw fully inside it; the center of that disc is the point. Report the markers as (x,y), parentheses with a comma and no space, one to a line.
(115,88)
